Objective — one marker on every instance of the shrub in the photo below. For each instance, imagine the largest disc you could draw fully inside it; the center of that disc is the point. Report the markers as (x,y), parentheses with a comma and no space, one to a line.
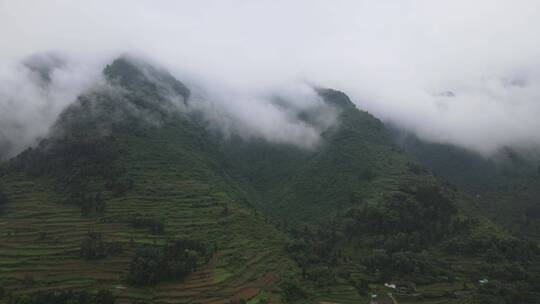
(152,264)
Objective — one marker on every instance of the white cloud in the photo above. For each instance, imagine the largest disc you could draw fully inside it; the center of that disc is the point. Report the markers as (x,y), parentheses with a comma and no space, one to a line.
(394,58)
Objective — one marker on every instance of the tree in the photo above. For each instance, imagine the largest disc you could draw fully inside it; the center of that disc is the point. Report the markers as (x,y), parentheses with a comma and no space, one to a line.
(291,291)
(152,264)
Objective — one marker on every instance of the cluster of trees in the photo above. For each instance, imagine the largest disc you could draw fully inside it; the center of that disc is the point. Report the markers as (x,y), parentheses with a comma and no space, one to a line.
(402,225)
(315,253)
(318,244)
(93,247)
(152,264)
(405,219)
(64,297)
(291,291)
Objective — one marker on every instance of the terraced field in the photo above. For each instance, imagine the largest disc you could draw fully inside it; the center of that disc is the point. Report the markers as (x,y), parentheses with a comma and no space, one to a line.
(352,214)
(41,236)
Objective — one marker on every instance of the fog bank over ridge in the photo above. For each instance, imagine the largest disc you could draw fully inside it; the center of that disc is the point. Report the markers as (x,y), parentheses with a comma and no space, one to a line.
(47,83)
(454,72)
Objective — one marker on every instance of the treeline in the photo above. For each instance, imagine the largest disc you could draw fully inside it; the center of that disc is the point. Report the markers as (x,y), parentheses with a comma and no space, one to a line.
(63,297)
(152,263)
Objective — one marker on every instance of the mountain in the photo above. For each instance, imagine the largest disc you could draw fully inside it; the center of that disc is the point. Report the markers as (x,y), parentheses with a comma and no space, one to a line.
(134,198)
(124,181)
(506,185)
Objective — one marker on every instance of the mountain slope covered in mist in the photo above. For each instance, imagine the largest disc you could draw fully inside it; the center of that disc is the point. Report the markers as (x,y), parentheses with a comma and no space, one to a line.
(506,185)
(137,192)
(122,181)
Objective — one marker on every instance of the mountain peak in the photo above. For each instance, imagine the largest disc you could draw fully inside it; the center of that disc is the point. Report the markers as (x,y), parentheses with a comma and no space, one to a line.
(335,97)
(133,73)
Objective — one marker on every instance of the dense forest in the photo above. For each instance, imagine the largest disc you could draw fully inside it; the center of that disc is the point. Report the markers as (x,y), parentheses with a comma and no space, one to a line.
(175,260)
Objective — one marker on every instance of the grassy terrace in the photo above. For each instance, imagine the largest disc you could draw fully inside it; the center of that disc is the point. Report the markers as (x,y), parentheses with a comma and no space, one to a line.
(40,236)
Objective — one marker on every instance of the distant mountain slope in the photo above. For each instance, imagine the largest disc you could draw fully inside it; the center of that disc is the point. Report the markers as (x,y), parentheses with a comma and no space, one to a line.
(134,194)
(507,185)
(359,203)
(356,154)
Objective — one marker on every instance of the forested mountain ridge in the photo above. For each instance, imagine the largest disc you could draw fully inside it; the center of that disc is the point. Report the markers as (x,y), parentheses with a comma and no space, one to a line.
(135,192)
(506,184)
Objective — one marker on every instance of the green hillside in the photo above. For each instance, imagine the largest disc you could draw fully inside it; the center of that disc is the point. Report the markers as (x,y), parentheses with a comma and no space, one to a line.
(506,185)
(363,212)
(132,197)
(157,181)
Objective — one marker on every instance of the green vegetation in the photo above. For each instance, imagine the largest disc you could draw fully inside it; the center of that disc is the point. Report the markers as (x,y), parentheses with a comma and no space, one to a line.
(159,181)
(93,247)
(506,185)
(131,194)
(65,297)
(3,201)
(152,264)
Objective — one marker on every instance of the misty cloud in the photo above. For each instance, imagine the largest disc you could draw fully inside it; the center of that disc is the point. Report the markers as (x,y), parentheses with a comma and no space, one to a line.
(399,60)
(32,95)
(277,115)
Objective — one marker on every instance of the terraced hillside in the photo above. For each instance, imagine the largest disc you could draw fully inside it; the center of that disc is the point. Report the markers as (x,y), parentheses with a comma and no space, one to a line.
(172,183)
(41,242)
(132,193)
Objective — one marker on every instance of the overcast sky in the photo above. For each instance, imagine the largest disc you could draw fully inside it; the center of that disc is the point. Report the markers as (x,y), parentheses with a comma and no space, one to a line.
(460,71)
